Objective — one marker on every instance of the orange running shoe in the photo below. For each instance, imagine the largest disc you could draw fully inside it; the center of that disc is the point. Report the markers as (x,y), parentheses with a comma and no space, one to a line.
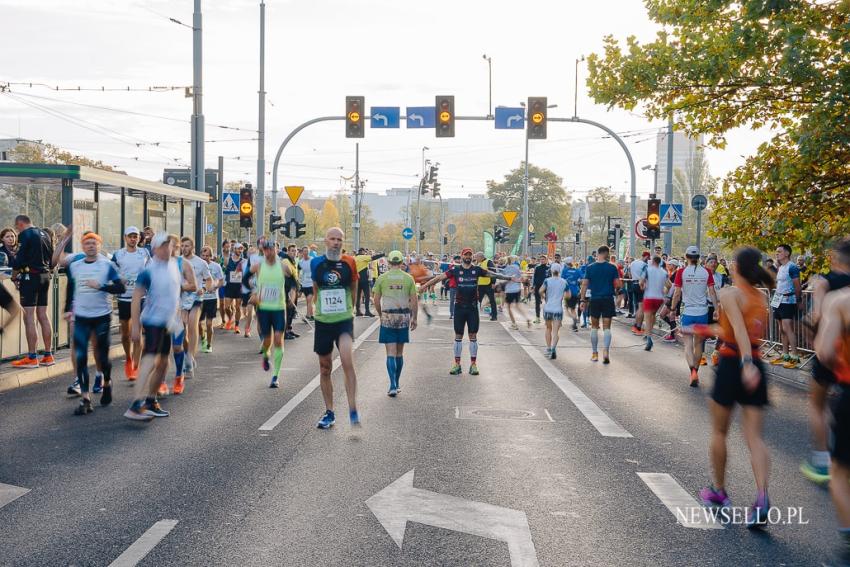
(134,372)
(715,358)
(25,362)
(236,329)
(228,326)
(47,360)
(694,378)
(128,369)
(163,388)
(178,386)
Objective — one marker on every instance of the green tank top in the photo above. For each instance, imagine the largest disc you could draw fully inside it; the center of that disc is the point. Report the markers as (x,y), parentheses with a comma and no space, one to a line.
(270,286)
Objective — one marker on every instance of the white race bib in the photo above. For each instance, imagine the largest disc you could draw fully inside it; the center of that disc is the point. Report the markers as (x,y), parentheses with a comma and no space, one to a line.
(776,301)
(236,277)
(131,285)
(332,301)
(270,295)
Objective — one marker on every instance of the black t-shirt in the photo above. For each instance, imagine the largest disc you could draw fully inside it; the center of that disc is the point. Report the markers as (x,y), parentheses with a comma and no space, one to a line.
(837,280)
(35,250)
(467,283)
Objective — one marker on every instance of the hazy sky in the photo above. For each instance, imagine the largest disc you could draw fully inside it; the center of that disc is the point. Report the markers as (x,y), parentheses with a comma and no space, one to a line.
(395,53)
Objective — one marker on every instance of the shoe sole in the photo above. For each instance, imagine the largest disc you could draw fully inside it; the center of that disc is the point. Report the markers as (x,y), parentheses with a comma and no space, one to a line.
(137,416)
(817,478)
(323,426)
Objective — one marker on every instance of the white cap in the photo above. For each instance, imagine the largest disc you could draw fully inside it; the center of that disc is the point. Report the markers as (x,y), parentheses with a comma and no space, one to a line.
(555,268)
(131,230)
(568,260)
(159,239)
(692,251)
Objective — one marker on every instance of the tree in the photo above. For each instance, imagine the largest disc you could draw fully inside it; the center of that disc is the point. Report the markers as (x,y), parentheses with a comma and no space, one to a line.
(603,203)
(693,180)
(329,217)
(721,65)
(48,153)
(548,201)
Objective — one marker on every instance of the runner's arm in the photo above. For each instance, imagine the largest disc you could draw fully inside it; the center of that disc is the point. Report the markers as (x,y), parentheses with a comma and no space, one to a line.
(677,296)
(582,294)
(432,281)
(830,330)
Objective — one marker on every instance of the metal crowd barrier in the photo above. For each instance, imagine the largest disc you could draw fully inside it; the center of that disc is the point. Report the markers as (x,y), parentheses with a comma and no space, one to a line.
(771,340)
(13,341)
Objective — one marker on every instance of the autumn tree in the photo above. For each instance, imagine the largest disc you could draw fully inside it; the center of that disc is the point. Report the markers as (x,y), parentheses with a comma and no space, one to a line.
(725,64)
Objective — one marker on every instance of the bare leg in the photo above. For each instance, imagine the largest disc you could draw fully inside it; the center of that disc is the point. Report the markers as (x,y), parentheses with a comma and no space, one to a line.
(346,357)
(30,329)
(46,328)
(325,366)
(721,416)
(753,419)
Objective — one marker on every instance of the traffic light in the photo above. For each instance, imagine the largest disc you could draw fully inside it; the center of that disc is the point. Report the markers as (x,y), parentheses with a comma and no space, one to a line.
(421,235)
(274,222)
(537,118)
(531,236)
(300,229)
(445,106)
(445,240)
(432,179)
(354,108)
(246,206)
(498,235)
(578,238)
(653,219)
(287,230)
(612,238)
(423,185)
(506,234)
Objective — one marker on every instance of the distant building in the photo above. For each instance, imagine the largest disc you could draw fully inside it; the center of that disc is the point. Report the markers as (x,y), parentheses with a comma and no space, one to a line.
(684,150)
(390,207)
(7,145)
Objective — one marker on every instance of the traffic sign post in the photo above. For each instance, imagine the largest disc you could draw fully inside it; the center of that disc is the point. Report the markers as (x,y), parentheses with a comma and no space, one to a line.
(699,203)
(510,118)
(407,233)
(640,229)
(294,193)
(509,217)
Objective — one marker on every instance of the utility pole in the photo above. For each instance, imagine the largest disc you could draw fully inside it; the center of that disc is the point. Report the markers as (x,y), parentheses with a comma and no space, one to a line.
(356,197)
(525,200)
(668,187)
(575,92)
(260,195)
(419,205)
(220,195)
(198,175)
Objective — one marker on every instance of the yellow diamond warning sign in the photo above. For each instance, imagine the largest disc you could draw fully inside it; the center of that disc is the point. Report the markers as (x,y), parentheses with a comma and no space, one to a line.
(509,216)
(294,192)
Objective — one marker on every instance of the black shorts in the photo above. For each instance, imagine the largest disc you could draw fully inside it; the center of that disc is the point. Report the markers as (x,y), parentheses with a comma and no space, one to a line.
(483,291)
(602,308)
(512,297)
(572,300)
(638,294)
(307,290)
(157,340)
(821,374)
(245,298)
(729,389)
(710,314)
(209,309)
(841,428)
(271,320)
(124,308)
(785,311)
(326,335)
(34,291)
(466,316)
(233,291)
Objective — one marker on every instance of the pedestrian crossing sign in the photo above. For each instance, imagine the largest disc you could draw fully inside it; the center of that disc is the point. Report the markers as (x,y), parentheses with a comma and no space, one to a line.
(230,203)
(671,214)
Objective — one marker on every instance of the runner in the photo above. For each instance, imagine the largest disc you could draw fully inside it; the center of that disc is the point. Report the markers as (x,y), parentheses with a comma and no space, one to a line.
(233,272)
(271,301)
(306,280)
(396,302)
(832,346)
(638,269)
(130,260)
(191,301)
(90,281)
(290,260)
(553,291)
(451,284)
(160,283)
(713,309)
(188,289)
(602,279)
(787,302)
(223,307)
(694,288)
(466,306)
(210,299)
(652,285)
(485,286)
(740,380)
(513,290)
(249,283)
(573,277)
(334,288)
(541,272)
(816,467)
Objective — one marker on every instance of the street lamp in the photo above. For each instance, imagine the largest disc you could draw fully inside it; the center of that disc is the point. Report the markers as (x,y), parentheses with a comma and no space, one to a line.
(489,61)
(654,169)
(575,93)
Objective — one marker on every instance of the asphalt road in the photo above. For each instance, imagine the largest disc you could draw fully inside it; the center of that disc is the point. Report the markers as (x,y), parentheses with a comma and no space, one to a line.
(209,486)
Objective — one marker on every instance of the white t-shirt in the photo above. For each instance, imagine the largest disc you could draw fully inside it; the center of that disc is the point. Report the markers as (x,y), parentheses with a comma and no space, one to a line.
(304,270)
(216,274)
(694,281)
(655,279)
(513,271)
(638,269)
(555,287)
(130,265)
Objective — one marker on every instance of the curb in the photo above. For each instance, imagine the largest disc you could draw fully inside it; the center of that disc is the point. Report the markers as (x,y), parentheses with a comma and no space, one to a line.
(25,377)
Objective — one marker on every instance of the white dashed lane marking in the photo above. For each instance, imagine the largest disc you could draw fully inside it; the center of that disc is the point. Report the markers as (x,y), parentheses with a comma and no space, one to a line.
(142,546)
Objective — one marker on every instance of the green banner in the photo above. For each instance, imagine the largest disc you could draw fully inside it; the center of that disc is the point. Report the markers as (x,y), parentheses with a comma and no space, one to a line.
(489,245)
(515,250)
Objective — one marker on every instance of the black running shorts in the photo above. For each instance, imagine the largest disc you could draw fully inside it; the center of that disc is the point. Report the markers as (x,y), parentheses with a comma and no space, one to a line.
(602,308)
(729,388)
(466,316)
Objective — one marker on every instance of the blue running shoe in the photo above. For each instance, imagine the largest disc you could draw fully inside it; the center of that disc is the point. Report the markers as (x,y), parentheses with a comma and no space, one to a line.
(327,420)
(757,515)
(98,384)
(649,343)
(354,417)
(75,389)
(274,382)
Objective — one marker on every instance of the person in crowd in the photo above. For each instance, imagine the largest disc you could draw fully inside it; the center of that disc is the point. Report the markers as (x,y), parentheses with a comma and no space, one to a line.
(8,246)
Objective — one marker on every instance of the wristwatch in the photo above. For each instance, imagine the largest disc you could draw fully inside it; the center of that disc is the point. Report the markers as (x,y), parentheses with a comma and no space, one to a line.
(746,359)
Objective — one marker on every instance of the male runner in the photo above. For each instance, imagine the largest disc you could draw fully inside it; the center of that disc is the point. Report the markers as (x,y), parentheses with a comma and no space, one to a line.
(694,287)
(90,281)
(306,280)
(222,302)
(291,261)
(602,279)
(188,292)
(130,260)
(335,281)
(553,289)
(248,284)
(638,269)
(396,302)
(513,290)
(573,277)
(541,272)
(160,285)
(191,301)
(210,299)
(271,300)
(652,283)
(485,285)
(233,272)
(466,306)
(787,304)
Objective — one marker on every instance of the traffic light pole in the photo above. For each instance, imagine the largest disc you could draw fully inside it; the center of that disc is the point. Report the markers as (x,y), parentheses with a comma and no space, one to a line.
(525,220)
(261,130)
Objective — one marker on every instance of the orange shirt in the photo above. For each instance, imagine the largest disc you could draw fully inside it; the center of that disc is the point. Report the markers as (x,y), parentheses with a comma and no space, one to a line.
(755,318)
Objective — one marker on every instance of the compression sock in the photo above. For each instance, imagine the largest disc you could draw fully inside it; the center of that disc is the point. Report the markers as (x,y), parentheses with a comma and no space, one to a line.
(473,350)
(594,340)
(178,362)
(391,370)
(607,337)
(278,360)
(399,364)
(458,350)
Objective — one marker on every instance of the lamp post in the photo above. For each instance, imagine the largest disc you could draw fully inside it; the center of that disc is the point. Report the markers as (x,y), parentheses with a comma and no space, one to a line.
(575,92)
(419,202)
(489,61)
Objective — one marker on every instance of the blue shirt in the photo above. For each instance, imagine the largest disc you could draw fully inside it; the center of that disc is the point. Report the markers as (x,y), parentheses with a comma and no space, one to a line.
(573,277)
(161,280)
(600,278)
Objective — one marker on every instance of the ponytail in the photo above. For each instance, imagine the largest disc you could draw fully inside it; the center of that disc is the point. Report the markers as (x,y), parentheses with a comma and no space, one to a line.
(748,265)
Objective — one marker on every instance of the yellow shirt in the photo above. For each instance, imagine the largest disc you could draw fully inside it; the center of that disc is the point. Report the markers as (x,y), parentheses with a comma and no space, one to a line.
(523,265)
(362,261)
(484,281)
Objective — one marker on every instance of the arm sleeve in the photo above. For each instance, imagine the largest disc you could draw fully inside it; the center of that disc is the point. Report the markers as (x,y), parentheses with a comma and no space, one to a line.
(69,291)
(355,281)
(113,284)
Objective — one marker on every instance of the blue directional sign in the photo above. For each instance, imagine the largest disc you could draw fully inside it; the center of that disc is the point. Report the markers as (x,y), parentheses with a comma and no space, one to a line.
(421,117)
(385,116)
(510,118)
(230,203)
(671,214)
(407,233)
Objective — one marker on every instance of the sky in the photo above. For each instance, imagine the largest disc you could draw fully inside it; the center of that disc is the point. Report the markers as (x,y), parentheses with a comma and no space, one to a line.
(395,53)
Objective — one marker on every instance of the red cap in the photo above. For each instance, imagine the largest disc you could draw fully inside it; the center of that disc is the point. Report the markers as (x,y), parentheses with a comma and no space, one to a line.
(465,250)
(646,254)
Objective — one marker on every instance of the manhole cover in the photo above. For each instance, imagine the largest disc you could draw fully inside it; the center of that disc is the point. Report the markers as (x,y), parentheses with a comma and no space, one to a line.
(502,414)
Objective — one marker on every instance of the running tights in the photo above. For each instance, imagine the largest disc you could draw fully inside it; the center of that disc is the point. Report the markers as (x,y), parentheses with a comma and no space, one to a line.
(83,329)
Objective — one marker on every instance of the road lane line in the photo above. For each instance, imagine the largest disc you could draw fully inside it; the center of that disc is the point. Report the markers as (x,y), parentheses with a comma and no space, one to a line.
(142,546)
(10,493)
(281,414)
(682,505)
(594,414)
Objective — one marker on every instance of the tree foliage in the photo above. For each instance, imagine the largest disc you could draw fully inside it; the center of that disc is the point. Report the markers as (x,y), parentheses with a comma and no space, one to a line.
(548,200)
(779,64)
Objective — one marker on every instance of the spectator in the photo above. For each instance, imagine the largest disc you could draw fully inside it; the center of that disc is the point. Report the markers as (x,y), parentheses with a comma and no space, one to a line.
(8,245)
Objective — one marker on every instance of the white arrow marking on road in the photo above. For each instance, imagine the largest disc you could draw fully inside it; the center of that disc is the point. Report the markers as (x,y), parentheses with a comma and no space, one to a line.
(594,414)
(380,117)
(417,117)
(142,546)
(400,503)
(684,507)
(514,118)
(281,414)
(10,493)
